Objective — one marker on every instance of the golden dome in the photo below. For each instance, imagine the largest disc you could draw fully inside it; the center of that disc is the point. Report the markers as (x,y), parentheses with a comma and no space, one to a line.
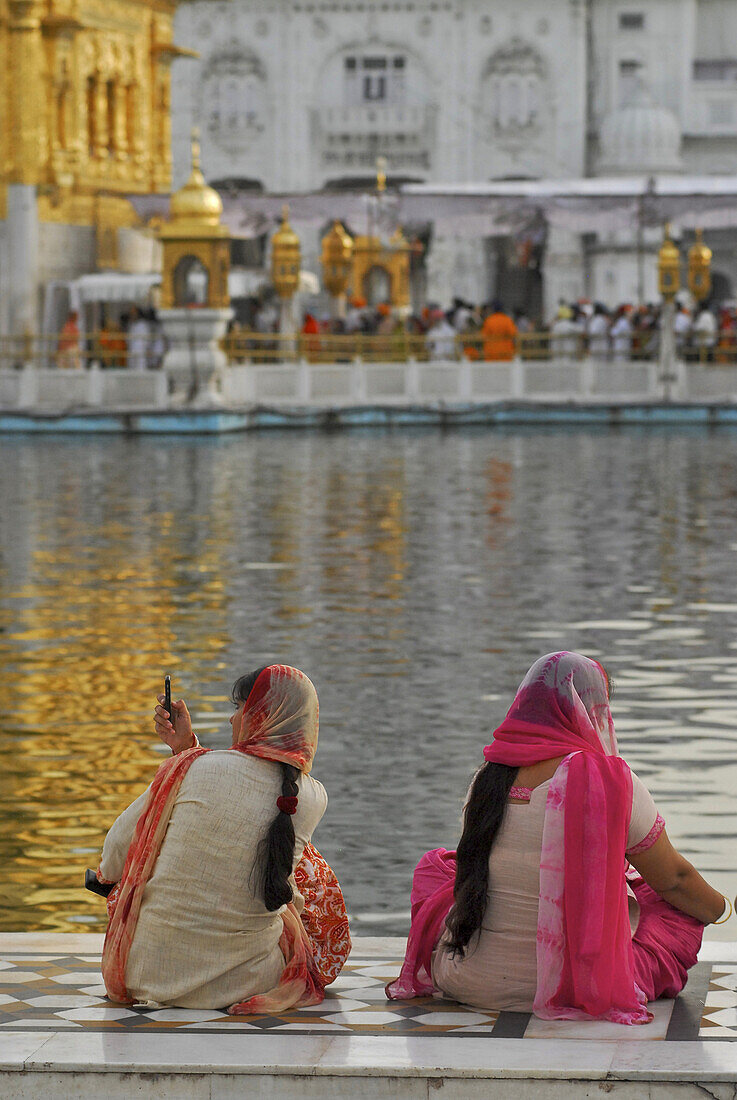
(196,204)
(285,237)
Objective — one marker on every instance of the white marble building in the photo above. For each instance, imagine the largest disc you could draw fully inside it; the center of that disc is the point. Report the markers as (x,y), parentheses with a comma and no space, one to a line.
(298,95)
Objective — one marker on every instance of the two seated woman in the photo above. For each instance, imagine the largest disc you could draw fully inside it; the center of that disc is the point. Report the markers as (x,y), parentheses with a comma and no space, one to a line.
(565,896)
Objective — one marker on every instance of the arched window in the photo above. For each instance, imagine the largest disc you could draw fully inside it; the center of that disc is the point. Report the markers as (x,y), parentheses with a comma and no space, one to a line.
(191,282)
(377,285)
(91,115)
(111,97)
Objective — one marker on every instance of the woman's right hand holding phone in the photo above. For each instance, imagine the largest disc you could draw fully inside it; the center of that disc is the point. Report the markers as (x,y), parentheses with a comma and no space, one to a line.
(177,733)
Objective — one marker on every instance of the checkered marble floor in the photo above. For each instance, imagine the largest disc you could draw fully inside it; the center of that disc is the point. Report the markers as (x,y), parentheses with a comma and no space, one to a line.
(64,992)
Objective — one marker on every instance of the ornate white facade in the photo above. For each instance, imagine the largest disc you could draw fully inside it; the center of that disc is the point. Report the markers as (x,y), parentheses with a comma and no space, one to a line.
(296,96)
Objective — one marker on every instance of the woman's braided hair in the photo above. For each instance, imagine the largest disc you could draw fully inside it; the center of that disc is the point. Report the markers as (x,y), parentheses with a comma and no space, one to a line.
(276,851)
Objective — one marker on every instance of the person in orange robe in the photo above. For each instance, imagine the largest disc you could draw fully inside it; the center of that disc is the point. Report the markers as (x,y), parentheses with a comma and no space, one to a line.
(499,332)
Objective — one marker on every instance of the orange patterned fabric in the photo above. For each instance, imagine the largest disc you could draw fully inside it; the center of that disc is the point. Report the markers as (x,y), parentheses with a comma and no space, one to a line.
(324,916)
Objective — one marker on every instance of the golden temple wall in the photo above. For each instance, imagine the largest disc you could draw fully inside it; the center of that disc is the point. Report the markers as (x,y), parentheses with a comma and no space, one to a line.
(86,100)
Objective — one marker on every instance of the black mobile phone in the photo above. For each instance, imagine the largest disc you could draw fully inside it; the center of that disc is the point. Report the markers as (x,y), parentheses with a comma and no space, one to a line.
(91,883)
(167,698)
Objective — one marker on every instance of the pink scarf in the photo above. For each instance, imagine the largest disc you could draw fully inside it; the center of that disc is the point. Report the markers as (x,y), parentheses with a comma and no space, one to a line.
(280,723)
(585,964)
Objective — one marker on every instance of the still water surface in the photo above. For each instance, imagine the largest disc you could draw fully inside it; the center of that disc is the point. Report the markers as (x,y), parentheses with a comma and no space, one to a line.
(415,576)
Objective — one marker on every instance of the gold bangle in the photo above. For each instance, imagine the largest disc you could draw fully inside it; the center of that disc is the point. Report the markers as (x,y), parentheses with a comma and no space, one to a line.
(723,919)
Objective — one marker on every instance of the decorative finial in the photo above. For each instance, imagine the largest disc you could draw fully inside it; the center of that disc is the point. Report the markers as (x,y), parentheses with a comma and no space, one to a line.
(196,149)
(285,214)
(381,174)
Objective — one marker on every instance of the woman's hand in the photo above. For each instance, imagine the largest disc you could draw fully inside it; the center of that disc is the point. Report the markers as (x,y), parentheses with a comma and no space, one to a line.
(177,733)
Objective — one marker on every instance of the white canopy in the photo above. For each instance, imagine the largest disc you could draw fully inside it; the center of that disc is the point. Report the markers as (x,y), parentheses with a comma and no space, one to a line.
(112,286)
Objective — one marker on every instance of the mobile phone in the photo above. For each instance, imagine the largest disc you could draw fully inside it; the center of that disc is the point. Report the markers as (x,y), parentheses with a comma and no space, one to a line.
(167,699)
(91,883)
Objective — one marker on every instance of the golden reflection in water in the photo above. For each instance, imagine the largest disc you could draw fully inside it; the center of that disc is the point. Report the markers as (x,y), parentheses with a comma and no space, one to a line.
(85,641)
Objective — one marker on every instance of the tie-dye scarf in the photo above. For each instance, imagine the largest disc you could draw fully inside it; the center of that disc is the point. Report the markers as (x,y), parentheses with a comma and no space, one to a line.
(280,723)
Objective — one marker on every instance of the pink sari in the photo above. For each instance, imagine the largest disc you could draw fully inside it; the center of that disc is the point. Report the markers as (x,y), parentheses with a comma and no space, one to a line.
(280,723)
(585,959)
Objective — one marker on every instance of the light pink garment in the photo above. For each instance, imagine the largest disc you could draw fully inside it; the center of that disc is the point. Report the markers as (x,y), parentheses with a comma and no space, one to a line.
(585,966)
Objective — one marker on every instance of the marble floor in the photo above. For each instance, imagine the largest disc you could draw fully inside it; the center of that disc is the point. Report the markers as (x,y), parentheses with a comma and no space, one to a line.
(55,1019)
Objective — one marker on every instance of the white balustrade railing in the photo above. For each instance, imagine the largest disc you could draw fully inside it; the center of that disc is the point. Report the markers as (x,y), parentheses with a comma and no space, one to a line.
(383,383)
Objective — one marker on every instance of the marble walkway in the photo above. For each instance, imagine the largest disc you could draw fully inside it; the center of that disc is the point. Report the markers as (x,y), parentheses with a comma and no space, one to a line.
(60,1037)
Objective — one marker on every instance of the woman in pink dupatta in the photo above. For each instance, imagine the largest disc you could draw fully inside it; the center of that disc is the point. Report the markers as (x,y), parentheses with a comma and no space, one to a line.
(221,899)
(540,908)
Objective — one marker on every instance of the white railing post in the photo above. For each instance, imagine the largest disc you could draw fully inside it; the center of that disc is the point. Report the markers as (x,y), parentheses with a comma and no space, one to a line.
(94,384)
(304,382)
(359,389)
(518,377)
(465,389)
(412,380)
(28,386)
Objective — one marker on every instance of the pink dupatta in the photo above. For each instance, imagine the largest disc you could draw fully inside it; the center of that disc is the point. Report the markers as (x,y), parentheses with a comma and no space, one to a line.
(280,723)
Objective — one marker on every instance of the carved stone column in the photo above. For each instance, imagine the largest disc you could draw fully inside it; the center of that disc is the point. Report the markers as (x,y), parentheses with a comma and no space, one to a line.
(25,51)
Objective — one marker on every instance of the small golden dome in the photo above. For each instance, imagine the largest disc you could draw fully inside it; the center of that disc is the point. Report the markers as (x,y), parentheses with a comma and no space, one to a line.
(196,203)
(285,237)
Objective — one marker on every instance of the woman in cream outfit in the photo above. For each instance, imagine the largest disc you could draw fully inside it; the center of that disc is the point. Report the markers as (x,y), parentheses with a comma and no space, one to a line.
(218,879)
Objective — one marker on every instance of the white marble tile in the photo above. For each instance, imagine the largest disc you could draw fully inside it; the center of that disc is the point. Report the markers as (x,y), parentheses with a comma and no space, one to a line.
(721,998)
(452,1019)
(57,1000)
(695,1061)
(369,1018)
(184,1015)
(180,1050)
(6,999)
(94,990)
(13,977)
(603,1029)
(384,972)
(383,947)
(218,1025)
(51,943)
(381,1054)
(94,1014)
(15,1048)
(74,977)
(374,994)
(332,1004)
(319,1026)
(718,951)
(725,1017)
(50,1023)
(346,981)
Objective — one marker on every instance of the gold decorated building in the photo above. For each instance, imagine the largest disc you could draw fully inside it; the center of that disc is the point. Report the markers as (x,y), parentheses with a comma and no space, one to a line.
(84,122)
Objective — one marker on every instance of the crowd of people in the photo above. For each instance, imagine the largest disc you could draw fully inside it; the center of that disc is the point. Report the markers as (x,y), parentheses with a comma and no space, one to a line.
(491,332)
(464,331)
(633,332)
(133,340)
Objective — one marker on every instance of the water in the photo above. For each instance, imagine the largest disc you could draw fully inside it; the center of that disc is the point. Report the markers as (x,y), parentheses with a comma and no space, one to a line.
(414,575)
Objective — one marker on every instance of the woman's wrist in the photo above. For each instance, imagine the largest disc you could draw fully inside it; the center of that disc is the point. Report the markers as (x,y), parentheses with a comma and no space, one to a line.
(726,912)
(193,744)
